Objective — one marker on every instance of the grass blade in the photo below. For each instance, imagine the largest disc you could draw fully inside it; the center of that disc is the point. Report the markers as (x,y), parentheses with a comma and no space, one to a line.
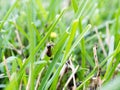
(8,13)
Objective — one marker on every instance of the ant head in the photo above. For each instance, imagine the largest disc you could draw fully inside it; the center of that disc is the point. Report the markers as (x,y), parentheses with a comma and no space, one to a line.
(49,45)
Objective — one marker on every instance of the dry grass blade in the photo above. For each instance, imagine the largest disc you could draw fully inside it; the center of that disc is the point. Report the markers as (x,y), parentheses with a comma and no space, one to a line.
(70,77)
(6,67)
(19,39)
(96,82)
(95,55)
(38,80)
(73,69)
(100,41)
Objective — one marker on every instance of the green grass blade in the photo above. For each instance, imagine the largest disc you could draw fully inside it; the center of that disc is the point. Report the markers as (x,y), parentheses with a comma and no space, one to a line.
(83,51)
(72,34)
(41,9)
(75,6)
(8,13)
(32,43)
(77,41)
(107,74)
(80,11)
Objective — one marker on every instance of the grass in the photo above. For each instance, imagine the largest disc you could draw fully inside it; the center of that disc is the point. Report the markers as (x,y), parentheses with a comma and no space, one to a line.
(73,28)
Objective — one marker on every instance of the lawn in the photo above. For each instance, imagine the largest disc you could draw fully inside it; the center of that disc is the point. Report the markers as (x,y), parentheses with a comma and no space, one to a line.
(59,44)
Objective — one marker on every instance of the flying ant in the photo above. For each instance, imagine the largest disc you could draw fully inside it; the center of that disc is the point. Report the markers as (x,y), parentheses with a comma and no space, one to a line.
(48,49)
